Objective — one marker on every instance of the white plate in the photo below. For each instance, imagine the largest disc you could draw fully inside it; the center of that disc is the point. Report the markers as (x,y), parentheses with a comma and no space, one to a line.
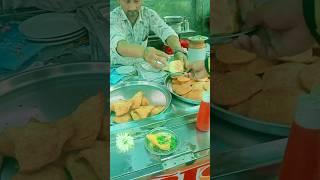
(50,25)
(125,70)
(76,34)
(51,43)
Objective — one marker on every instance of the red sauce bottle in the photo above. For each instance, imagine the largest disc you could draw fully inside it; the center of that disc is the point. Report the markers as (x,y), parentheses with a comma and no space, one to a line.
(203,117)
(302,156)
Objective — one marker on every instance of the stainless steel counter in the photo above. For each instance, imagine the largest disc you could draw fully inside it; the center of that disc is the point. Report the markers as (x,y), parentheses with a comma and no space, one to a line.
(137,163)
(242,154)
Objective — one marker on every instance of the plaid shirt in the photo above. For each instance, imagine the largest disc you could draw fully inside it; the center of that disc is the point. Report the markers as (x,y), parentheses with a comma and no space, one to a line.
(121,29)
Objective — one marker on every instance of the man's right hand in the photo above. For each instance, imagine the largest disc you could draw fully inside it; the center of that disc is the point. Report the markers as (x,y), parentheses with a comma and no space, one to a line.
(155,58)
(286,32)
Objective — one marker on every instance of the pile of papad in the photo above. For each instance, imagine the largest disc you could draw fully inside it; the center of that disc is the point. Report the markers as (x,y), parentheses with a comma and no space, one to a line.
(189,88)
(263,89)
(74,145)
(136,108)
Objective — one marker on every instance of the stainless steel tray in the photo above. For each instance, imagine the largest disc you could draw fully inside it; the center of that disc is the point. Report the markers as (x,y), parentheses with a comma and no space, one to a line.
(168,83)
(157,94)
(47,93)
(139,163)
(256,125)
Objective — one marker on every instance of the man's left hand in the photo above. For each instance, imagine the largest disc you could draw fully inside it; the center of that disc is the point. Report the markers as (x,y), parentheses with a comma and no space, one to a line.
(181,56)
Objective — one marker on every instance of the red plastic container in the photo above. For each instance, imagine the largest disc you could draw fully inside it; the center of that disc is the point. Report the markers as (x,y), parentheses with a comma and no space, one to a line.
(302,156)
(203,117)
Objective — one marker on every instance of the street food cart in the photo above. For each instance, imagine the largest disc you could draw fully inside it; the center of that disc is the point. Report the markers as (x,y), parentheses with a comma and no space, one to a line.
(191,157)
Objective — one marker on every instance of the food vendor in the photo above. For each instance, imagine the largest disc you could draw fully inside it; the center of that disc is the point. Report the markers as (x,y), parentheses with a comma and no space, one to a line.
(130,25)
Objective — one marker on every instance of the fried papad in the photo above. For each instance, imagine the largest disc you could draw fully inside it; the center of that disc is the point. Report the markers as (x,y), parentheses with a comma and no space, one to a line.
(257,66)
(233,88)
(310,76)
(121,107)
(122,119)
(195,94)
(50,172)
(136,100)
(275,105)
(241,108)
(87,120)
(97,158)
(35,145)
(181,89)
(79,168)
(229,55)
(283,76)
(157,110)
(304,57)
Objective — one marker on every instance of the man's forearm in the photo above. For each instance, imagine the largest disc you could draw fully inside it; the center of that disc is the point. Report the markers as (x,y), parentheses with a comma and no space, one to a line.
(173,42)
(130,50)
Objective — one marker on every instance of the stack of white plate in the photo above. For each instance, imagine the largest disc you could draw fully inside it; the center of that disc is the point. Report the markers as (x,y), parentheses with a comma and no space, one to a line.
(52,28)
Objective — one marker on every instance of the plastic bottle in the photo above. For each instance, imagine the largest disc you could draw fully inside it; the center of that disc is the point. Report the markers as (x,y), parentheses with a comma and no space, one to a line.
(301,160)
(203,117)
(186,25)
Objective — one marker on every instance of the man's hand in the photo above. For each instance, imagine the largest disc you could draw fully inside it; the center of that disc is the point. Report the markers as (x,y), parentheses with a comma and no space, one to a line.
(285,31)
(198,70)
(155,58)
(181,56)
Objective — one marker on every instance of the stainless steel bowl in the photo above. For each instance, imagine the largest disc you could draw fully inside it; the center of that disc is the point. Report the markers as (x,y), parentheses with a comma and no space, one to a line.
(47,94)
(252,124)
(155,93)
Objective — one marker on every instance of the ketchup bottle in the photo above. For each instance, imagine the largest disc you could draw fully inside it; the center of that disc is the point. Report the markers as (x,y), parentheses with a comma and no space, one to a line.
(203,117)
(302,156)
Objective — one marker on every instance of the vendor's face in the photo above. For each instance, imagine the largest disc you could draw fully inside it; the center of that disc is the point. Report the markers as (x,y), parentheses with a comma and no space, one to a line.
(131,7)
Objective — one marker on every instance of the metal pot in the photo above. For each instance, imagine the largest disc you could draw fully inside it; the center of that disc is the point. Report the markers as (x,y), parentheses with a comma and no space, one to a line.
(173,19)
(177,27)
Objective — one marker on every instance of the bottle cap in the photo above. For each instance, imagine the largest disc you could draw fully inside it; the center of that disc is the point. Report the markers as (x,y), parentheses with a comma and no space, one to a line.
(206,96)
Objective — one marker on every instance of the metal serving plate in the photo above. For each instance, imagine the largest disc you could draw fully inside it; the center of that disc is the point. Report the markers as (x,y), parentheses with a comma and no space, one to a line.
(169,86)
(156,94)
(256,125)
(47,94)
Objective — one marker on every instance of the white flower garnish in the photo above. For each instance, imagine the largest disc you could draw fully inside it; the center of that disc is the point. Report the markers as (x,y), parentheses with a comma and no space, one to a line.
(124,142)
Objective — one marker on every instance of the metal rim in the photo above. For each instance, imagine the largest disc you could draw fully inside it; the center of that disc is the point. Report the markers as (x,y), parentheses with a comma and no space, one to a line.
(253,124)
(44,73)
